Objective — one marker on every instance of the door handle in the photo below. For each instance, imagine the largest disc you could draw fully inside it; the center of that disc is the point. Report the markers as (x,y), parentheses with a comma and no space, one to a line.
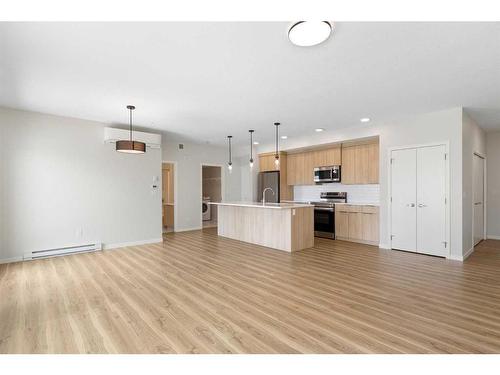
(410,205)
(477,203)
(422,205)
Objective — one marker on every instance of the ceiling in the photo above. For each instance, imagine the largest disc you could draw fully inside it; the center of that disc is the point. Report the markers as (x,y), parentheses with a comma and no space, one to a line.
(204,81)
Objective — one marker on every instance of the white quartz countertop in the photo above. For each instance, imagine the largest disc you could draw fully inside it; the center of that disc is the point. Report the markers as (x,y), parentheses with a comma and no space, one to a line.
(361,204)
(287,205)
(351,203)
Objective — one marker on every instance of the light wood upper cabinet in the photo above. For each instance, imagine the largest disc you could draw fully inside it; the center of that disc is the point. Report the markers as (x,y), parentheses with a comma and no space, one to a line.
(301,165)
(327,157)
(309,164)
(360,164)
(266,162)
(292,168)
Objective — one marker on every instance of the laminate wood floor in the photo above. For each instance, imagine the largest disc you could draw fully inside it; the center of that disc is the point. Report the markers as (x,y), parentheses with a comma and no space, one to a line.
(199,293)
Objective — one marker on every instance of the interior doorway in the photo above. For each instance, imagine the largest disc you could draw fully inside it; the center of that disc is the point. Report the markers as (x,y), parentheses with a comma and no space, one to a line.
(478,198)
(211,191)
(168,203)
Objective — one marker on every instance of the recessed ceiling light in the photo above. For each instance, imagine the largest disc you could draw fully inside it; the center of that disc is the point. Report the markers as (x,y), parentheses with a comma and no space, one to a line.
(284,136)
(255,142)
(365,119)
(309,33)
(319,130)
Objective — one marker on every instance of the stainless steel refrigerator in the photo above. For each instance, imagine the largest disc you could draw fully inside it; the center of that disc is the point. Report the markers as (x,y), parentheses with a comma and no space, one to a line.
(269,180)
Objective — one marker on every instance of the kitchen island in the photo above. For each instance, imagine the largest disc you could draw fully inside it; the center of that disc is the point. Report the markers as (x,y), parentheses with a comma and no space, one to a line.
(283,226)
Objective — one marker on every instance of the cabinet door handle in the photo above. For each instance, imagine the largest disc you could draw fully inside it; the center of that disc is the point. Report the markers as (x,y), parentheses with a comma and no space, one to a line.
(422,205)
(410,205)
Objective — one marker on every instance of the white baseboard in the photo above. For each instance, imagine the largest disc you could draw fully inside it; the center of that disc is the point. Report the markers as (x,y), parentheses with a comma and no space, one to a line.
(468,253)
(11,260)
(133,243)
(492,237)
(384,246)
(462,257)
(188,229)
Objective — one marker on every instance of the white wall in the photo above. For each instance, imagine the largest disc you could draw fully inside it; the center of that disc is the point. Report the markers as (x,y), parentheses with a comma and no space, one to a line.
(493,184)
(439,126)
(61,185)
(249,178)
(188,187)
(473,141)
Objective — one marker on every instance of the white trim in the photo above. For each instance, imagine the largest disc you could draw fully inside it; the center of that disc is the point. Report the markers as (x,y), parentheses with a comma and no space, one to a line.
(189,229)
(446,144)
(458,258)
(175,191)
(492,237)
(468,253)
(222,187)
(463,257)
(384,246)
(132,243)
(478,154)
(11,260)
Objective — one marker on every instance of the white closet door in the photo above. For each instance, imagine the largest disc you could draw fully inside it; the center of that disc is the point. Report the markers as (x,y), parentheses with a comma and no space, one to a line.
(403,205)
(478,198)
(431,204)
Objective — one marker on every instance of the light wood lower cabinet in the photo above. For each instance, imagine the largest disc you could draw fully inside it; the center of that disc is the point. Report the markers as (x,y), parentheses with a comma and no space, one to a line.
(357,223)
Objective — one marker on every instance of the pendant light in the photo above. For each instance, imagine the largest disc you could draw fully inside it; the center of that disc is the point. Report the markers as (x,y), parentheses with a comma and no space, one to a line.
(130,146)
(251,148)
(230,163)
(276,154)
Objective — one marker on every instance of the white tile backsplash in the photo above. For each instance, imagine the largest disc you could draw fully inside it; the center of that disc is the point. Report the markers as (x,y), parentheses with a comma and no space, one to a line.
(355,193)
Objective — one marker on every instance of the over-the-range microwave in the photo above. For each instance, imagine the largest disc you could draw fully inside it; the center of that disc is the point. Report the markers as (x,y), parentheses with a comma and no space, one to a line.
(327,174)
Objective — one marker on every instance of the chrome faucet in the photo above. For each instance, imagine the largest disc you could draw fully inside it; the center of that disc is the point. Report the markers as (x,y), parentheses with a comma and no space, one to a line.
(264,194)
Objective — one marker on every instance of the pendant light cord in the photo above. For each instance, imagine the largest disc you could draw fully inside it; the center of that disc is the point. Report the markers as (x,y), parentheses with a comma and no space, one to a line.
(251,145)
(130,124)
(277,136)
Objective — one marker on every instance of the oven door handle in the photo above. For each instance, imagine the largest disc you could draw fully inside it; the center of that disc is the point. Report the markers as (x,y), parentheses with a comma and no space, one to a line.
(324,209)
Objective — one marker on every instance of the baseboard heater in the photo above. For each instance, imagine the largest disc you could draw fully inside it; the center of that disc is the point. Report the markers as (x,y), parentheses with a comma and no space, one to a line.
(63,251)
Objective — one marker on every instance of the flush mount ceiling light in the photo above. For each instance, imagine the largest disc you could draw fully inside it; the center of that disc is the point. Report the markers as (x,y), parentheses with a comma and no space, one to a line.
(309,33)
(318,130)
(130,146)
(365,119)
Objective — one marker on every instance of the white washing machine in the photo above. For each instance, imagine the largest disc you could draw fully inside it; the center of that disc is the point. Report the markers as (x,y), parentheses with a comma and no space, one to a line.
(205,209)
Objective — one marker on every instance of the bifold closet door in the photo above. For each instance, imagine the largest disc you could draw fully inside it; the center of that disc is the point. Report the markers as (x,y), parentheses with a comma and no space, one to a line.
(431,200)
(403,196)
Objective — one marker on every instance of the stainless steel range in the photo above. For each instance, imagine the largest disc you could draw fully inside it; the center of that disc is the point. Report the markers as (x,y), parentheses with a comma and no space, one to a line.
(324,213)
